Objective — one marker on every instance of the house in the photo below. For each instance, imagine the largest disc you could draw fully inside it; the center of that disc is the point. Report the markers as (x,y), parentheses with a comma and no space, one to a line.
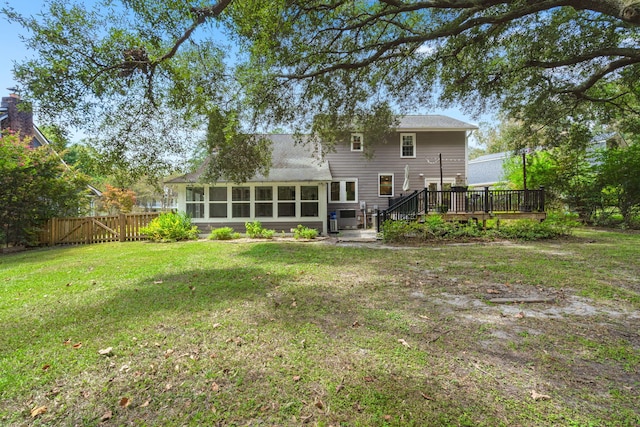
(342,191)
(487,170)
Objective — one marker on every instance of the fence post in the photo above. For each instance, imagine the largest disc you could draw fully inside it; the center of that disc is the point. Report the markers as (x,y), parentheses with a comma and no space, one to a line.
(486,200)
(52,231)
(541,198)
(123,227)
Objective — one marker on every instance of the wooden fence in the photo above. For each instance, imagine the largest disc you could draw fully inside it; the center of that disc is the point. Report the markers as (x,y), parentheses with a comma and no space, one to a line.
(97,229)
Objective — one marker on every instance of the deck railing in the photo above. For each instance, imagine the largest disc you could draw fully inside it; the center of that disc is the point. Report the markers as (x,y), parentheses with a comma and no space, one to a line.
(460,200)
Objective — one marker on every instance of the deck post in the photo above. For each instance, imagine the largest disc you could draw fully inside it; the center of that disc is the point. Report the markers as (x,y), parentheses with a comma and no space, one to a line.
(541,207)
(486,200)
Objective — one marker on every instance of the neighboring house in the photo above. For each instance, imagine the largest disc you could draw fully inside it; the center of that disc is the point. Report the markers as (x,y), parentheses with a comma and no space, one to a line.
(487,170)
(346,186)
(11,117)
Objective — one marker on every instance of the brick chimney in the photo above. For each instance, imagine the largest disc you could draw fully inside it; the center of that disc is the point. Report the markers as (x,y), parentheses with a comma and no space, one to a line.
(17,120)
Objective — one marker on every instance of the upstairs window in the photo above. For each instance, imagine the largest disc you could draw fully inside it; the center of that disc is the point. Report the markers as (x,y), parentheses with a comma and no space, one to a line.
(356,142)
(408,145)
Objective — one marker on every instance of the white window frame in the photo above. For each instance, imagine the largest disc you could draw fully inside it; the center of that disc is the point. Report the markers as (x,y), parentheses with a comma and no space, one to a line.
(415,148)
(393,178)
(361,136)
(343,191)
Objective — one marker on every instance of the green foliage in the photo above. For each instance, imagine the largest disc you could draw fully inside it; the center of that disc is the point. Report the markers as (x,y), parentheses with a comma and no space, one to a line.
(434,227)
(115,68)
(303,232)
(256,231)
(556,225)
(223,233)
(34,187)
(171,227)
(618,180)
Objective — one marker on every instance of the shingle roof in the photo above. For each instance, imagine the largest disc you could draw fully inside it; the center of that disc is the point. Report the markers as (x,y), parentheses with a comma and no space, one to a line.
(289,162)
(433,121)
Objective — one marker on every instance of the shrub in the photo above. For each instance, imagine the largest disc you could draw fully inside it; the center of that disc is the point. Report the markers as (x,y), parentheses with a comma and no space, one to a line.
(223,233)
(302,232)
(397,231)
(169,227)
(255,230)
(555,226)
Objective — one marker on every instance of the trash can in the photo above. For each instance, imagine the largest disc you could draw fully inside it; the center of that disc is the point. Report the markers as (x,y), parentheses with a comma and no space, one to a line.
(333,222)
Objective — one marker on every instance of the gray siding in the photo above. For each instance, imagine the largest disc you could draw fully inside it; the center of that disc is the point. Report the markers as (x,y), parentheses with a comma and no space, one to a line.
(386,159)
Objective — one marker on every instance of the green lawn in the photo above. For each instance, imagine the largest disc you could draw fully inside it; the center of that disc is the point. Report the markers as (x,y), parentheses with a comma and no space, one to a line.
(291,333)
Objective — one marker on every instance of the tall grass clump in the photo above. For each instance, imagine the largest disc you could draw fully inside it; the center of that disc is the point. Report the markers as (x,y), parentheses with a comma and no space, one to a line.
(171,227)
(223,233)
(255,230)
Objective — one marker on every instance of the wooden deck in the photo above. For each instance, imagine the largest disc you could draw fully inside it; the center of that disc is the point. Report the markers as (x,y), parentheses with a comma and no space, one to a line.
(466,205)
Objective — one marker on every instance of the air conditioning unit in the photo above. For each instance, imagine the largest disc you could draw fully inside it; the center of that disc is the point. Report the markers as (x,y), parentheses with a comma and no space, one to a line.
(347,219)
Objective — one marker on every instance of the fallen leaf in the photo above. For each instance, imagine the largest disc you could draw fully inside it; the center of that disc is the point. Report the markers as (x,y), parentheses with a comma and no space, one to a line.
(294,303)
(426,396)
(387,417)
(492,291)
(537,396)
(105,351)
(158,282)
(106,416)
(145,404)
(296,378)
(319,404)
(67,341)
(369,379)
(168,353)
(45,367)
(404,343)
(424,317)
(38,410)
(168,387)
(520,315)
(215,387)
(228,310)
(355,324)
(77,345)
(125,402)
(216,325)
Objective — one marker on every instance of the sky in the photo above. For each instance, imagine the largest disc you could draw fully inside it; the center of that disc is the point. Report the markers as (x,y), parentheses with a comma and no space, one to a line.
(13,50)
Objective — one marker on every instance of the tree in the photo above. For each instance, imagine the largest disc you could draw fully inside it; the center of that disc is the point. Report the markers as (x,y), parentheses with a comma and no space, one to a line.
(34,186)
(118,200)
(153,73)
(619,182)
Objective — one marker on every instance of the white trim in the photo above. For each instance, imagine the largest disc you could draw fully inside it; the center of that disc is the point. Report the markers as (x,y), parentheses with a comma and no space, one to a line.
(436,180)
(343,190)
(361,136)
(392,184)
(415,145)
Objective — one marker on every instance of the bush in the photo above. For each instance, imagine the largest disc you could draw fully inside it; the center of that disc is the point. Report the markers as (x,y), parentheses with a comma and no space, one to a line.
(556,225)
(170,227)
(435,227)
(302,232)
(256,231)
(397,231)
(223,233)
